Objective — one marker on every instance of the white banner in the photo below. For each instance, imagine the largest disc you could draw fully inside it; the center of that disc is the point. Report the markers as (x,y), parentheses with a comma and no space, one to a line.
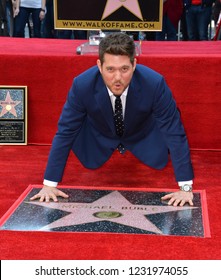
(105,269)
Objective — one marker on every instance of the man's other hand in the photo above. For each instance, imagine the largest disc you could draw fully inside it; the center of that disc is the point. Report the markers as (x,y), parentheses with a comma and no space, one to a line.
(47,193)
(179,198)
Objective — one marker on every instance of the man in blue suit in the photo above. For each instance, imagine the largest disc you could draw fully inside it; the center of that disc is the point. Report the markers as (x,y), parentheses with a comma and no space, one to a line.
(151,126)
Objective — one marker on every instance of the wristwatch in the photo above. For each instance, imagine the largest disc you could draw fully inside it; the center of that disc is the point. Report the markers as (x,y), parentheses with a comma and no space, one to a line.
(186,188)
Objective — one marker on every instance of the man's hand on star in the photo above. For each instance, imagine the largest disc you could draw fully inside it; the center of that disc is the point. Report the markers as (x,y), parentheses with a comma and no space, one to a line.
(47,193)
(179,198)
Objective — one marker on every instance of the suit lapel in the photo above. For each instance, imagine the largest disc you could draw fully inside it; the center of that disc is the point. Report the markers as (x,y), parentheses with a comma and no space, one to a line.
(103,100)
(132,103)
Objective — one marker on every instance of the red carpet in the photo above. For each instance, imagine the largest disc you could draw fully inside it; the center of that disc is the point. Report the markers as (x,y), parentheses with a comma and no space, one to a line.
(21,166)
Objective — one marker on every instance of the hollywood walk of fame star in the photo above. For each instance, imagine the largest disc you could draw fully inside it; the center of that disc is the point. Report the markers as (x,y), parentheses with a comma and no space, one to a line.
(130,5)
(112,207)
(8,105)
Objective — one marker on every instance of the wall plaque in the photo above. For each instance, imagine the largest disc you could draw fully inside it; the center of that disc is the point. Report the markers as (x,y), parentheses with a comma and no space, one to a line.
(124,15)
(13,115)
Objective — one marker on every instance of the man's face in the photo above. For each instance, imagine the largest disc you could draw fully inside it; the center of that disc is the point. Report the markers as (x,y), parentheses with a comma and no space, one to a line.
(117,72)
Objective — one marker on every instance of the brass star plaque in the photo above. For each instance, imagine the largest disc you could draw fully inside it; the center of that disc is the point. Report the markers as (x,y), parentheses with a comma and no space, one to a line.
(124,210)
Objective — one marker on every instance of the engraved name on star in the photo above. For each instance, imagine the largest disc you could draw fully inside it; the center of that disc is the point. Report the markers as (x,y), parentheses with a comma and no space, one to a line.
(130,5)
(8,105)
(112,207)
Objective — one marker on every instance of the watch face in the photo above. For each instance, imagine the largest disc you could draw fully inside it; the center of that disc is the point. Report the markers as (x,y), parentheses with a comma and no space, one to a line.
(186,188)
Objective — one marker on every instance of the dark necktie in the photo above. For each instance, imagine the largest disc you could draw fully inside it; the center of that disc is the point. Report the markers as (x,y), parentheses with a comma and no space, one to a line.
(118,117)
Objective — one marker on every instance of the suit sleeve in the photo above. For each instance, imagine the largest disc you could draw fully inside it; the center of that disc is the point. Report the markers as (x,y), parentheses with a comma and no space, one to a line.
(169,122)
(69,125)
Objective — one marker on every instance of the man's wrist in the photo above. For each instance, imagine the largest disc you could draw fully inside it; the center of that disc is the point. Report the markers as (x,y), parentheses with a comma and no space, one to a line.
(186,186)
(50,183)
(182,183)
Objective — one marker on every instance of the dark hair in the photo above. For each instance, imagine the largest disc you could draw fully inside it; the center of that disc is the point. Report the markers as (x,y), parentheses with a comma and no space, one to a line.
(117,44)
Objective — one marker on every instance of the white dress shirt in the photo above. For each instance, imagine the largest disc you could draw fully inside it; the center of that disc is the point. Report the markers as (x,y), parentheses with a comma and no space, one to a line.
(123,98)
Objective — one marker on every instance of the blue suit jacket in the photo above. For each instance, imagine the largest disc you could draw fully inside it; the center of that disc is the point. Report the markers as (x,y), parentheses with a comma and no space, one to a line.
(152,125)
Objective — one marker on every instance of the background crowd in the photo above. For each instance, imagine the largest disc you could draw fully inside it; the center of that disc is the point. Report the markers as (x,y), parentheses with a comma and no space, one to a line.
(182,20)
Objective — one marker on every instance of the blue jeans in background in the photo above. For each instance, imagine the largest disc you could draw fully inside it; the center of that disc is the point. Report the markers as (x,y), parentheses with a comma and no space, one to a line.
(168,33)
(198,19)
(23,17)
(48,30)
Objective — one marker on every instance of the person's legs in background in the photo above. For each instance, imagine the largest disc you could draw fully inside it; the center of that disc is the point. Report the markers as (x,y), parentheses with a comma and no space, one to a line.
(36,22)
(203,21)
(169,32)
(20,22)
(191,23)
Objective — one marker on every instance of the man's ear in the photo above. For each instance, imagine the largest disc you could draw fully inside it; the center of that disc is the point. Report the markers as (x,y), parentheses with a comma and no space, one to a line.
(99,64)
(135,63)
